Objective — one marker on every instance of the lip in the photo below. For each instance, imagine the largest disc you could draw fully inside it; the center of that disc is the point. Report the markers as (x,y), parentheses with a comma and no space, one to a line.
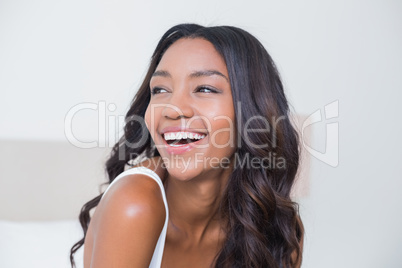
(181,149)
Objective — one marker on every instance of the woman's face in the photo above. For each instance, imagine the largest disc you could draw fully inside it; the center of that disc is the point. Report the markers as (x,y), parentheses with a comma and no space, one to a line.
(191,115)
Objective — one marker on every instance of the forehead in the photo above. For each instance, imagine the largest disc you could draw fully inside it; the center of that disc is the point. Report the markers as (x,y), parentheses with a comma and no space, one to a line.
(192,55)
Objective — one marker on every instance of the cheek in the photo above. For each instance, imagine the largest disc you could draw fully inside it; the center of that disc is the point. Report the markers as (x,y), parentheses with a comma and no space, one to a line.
(223,127)
(147,119)
(224,134)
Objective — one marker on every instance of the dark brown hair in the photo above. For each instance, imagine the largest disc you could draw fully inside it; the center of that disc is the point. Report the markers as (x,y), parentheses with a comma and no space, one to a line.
(264,228)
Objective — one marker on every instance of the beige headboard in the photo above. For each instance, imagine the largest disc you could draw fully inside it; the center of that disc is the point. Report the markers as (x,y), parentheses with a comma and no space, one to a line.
(47,180)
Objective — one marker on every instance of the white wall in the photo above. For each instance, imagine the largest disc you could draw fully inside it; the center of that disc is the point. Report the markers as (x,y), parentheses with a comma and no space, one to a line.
(57,54)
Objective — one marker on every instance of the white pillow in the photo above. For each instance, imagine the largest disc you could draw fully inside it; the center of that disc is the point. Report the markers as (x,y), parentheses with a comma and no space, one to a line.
(39,244)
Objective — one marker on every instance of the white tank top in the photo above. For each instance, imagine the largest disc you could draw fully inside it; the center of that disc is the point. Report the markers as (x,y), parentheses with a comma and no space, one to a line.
(158,252)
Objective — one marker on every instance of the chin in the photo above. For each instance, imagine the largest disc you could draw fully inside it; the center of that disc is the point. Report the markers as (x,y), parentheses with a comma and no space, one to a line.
(182,169)
(183,174)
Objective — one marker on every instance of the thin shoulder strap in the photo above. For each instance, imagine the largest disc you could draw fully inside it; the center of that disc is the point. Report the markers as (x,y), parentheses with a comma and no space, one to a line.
(158,252)
(140,170)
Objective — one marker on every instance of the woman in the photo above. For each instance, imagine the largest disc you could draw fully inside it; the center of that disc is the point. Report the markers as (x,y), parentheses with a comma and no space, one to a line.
(209,118)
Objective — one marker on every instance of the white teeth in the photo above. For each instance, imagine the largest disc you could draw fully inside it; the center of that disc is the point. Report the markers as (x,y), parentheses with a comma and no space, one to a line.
(182,135)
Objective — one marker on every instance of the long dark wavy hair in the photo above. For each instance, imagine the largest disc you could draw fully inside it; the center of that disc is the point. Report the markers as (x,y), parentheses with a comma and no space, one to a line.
(263,224)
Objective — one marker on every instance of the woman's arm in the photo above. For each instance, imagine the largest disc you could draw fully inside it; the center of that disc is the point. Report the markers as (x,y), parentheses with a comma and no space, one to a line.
(127,224)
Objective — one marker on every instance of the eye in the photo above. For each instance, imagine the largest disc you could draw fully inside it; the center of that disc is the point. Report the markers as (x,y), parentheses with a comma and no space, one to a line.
(206,89)
(157,90)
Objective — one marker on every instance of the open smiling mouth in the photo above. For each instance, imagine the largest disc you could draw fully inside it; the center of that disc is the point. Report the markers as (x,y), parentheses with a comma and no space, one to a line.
(177,139)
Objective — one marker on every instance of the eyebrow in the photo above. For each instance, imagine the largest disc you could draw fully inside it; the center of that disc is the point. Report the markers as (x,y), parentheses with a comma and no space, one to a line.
(202,73)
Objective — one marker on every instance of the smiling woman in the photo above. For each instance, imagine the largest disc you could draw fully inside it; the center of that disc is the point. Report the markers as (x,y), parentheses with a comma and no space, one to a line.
(192,98)
(211,108)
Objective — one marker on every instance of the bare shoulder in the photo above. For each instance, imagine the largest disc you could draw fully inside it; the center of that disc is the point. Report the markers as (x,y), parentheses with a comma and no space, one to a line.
(137,191)
(127,223)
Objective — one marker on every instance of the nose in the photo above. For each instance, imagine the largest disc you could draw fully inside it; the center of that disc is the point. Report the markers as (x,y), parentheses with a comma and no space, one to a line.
(179,106)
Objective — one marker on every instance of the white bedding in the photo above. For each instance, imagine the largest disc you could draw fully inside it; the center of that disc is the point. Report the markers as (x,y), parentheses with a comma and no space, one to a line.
(39,244)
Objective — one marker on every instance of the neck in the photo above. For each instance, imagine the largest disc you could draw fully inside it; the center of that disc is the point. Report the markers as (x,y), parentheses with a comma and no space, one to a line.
(194,205)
